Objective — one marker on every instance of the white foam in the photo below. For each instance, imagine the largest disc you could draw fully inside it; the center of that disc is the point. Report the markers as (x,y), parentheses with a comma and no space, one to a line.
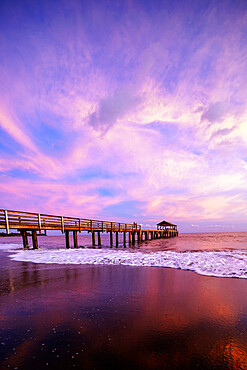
(213,263)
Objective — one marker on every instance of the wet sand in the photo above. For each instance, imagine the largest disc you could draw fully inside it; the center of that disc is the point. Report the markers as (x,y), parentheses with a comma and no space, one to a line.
(119,317)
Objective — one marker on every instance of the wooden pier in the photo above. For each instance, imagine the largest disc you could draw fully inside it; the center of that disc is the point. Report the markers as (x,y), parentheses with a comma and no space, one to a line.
(36,222)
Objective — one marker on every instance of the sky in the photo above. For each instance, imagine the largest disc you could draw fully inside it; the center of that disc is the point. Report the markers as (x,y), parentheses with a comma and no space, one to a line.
(125,110)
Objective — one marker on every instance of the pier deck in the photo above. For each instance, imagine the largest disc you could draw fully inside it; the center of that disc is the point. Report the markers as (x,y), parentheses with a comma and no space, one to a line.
(27,221)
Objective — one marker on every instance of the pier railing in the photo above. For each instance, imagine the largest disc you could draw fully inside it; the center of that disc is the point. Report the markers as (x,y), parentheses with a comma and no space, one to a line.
(39,221)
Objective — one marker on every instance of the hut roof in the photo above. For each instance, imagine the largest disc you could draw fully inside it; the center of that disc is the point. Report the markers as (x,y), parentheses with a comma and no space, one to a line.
(165,223)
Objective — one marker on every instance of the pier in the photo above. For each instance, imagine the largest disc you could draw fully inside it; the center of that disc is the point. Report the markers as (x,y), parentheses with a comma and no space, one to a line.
(35,223)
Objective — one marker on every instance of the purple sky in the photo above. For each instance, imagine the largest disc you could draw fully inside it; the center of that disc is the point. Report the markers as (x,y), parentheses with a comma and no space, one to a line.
(125,110)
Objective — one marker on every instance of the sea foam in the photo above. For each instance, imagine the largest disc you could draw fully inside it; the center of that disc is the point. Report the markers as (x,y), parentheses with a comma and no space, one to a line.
(211,263)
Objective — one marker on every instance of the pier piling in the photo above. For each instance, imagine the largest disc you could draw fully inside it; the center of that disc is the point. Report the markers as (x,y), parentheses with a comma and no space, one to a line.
(75,239)
(99,239)
(67,238)
(24,239)
(93,238)
(139,236)
(34,239)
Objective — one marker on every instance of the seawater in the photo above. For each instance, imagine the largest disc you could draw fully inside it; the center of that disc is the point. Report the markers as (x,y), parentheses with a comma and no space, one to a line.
(212,254)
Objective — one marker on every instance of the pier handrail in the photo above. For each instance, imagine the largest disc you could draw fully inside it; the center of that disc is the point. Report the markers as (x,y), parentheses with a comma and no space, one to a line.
(10,219)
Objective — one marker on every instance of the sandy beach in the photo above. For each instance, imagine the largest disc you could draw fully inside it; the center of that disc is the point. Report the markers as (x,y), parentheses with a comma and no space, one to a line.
(102,317)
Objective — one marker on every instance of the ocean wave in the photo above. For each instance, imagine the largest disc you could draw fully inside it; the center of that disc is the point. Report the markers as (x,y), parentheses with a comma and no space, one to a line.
(211,263)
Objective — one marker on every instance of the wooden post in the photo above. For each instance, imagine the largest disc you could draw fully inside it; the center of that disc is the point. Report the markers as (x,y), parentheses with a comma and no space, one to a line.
(133,237)
(67,238)
(79,225)
(111,241)
(24,239)
(93,238)
(39,221)
(99,238)
(129,237)
(75,239)
(139,236)
(34,239)
(62,224)
(6,221)
(124,238)
(116,238)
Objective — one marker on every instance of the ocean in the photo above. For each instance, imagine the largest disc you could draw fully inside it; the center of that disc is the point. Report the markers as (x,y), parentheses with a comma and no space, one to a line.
(176,303)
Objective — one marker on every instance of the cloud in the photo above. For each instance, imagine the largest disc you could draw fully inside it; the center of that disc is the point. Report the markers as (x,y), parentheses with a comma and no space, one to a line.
(216,112)
(113,108)
(13,128)
(222,132)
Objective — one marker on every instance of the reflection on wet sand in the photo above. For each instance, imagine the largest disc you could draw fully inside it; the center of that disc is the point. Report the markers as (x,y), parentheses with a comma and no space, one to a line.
(120,317)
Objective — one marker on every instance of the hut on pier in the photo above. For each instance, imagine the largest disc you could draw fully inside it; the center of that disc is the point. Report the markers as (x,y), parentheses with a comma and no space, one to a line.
(164,225)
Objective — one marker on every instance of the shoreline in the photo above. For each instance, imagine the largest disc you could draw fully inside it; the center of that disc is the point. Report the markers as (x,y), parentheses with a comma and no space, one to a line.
(224,264)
